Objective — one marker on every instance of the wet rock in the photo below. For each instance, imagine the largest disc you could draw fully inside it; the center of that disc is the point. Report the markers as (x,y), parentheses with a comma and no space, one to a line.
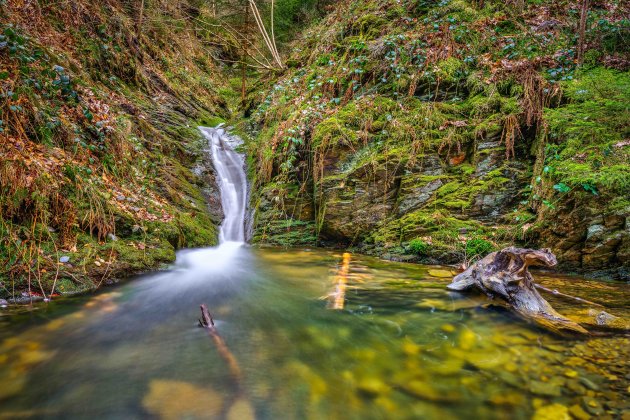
(552,412)
(448,328)
(373,386)
(441,273)
(175,400)
(589,384)
(578,413)
(424,390)
(467,340)
(592,406)
(545,389)
(241,410)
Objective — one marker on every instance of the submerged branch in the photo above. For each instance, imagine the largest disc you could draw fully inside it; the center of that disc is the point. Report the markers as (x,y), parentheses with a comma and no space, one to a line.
(207,322)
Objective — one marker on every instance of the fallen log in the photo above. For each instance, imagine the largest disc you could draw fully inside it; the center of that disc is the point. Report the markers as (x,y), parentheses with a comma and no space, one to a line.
(505,274)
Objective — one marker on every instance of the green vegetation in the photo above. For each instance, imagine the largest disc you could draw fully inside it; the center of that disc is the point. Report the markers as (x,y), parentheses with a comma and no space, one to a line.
(444,120)
(418,247)
(98,138)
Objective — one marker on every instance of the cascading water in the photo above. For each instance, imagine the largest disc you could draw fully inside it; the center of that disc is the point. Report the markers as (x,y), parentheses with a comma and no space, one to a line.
(232,183)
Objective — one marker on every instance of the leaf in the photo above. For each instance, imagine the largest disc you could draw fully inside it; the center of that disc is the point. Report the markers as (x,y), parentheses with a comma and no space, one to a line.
(4,74)
(562,187)
(590,188)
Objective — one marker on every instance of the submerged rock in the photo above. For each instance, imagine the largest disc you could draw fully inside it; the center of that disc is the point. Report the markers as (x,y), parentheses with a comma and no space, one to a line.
(169,399)
(552,412)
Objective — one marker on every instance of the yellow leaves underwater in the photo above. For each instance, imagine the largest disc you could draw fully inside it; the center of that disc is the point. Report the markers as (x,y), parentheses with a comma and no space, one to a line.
(169,399)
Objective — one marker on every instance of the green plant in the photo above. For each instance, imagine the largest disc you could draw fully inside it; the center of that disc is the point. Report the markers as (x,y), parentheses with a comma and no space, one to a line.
(478,248)
(418,247)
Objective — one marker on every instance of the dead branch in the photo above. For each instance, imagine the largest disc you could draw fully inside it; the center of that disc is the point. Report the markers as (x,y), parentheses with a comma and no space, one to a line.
(207,322)
(557,293)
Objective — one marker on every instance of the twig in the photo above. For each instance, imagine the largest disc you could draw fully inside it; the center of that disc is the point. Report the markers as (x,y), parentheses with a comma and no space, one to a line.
(557,293)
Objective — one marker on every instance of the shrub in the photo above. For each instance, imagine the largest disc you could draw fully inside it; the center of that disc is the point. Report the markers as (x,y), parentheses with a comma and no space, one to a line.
(418,247)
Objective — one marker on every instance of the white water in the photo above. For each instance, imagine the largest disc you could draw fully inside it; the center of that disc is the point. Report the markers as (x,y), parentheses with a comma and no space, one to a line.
(196,266)
(232,182)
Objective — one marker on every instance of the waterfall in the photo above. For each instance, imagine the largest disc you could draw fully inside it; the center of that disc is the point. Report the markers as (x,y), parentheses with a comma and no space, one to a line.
(232,181)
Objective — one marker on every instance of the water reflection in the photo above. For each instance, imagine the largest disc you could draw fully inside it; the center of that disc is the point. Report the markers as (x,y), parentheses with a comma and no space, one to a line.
(401,347)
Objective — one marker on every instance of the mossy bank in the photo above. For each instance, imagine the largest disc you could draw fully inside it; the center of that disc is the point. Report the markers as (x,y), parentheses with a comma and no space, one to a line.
(102,172)
(437,131)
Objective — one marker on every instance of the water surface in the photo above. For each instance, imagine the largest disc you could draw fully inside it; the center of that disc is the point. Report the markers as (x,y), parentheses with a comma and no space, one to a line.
(401,347)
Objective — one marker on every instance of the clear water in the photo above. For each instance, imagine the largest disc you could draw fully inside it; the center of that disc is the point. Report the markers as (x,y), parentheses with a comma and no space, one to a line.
(401,347)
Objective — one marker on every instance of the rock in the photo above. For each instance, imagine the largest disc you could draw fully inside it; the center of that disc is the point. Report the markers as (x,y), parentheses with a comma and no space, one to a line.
(552,412)
(545,389)
(373,386)
(414,198)
(441,273)
(589,384)
(592,406)
(448,328)
(112,237)
(175,400)
(241,410)
(467,339)
(578,413)
(594,231)
(64,259)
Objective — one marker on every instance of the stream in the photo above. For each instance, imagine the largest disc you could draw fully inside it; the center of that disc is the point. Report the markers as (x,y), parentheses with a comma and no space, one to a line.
(401,346)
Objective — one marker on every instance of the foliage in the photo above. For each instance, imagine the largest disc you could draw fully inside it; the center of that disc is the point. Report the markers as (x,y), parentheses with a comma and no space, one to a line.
(418,247)
(478,248)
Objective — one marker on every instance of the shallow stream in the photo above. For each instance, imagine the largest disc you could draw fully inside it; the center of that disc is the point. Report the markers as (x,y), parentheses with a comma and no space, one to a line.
(401,347)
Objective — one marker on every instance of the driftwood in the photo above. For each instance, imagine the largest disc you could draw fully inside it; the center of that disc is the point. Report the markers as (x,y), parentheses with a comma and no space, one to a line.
(237,406)
(504,274)
(207,322)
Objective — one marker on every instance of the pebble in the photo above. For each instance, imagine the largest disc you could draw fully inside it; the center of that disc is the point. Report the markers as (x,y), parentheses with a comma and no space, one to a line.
(64,259)
(112,237)
(448,328)
(592,406)
(545,389)
(373,386)
(589,384)
(552,412)
(578,412)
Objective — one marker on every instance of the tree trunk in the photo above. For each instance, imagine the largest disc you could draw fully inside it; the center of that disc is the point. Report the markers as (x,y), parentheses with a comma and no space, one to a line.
(582,32)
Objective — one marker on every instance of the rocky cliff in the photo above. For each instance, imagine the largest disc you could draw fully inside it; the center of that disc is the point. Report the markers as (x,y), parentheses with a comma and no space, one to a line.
(437,131)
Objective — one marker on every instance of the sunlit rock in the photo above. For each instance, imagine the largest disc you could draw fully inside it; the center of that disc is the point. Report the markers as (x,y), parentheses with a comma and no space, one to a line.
(552,412)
